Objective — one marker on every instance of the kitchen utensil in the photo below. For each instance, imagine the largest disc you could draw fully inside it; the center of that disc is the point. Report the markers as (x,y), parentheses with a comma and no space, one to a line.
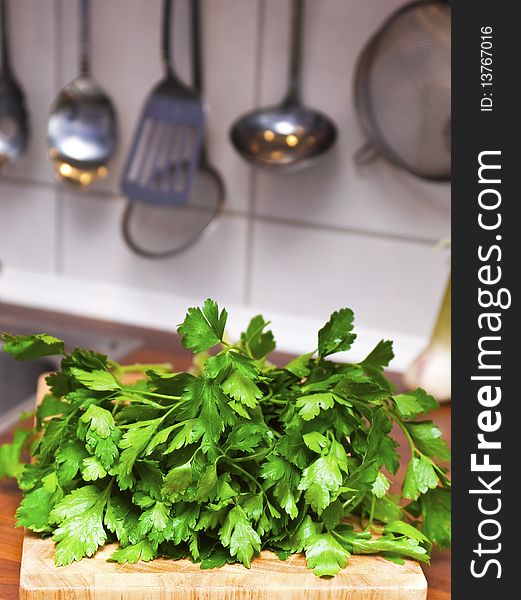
(403,87)
(164,231)
(286,136)
(14,128)
(82,128)
(167,145)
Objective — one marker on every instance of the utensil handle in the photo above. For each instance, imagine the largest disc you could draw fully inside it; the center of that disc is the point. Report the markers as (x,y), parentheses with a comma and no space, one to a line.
(197,58)
(85,38)
(295,57)
(4,46)
(197,49)
(166,33)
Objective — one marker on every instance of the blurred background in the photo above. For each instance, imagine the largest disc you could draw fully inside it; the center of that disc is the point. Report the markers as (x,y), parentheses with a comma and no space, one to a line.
(294,246)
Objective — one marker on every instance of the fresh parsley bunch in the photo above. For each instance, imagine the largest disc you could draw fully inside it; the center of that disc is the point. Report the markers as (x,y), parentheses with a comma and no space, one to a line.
(240,457)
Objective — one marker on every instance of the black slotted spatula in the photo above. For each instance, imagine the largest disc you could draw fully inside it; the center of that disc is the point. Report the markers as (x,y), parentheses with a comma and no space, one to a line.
(167,145)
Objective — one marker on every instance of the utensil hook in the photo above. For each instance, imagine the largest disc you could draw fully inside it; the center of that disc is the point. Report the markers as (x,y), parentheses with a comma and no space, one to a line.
(84,38)
(4,45)
(295,64)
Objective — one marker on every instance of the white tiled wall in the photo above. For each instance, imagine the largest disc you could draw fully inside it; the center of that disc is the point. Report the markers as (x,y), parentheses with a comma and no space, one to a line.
(309,242)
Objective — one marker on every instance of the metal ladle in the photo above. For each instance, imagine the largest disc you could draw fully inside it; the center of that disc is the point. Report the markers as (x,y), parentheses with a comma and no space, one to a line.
(82,129)
(287,136)
(14,128)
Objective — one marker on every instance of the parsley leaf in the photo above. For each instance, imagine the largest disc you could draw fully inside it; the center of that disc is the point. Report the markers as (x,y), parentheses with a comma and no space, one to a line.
(233,457)
(238,535)
(414,403)
(325,555)
(336,334)
(79,517)
(28,347)
(203,328)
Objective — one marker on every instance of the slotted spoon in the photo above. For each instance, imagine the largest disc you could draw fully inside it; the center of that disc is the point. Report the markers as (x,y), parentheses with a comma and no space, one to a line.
(167,144)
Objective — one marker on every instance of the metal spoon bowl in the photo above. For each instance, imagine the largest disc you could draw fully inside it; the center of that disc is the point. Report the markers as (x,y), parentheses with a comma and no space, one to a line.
(283,138)
(82,132)
(287,136)
(82,127)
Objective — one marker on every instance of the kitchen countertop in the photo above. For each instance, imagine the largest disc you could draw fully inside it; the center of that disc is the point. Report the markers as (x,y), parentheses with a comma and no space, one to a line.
(438,573)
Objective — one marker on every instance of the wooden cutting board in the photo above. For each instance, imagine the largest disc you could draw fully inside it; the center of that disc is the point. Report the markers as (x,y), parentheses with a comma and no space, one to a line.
(364,578)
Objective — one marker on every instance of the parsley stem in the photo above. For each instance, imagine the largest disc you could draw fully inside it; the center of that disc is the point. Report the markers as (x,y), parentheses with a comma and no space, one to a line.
(153,394)
(400,424)
(253,456)
(246,474)
(284,402)
(371,513)
(140,368)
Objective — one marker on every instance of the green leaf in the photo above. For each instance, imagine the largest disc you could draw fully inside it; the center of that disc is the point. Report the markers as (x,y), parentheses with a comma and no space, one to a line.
(80,529)
(92,469)
(100,421)
(220,364)
(101,435)
(133,443)
(403,546)
(414,403)
(203,328)
(361,479)
(402,528)
(300,366)
(336,334)
(380,357)
(101,381)
(428,440)
(436,514)
(189,433)
(35,508)
(217,558)
(28,347)
(238,535)
(310,406)
(70,460)
(325,555)
(419,478)
(10,454)
(143,550)
(321,480)
(177,480)
(121,519)
(259,342)
(381,485)
(283,478)
(316,442)
(247,436)
(208,399)
(154,521)
(242,389)
(51,406)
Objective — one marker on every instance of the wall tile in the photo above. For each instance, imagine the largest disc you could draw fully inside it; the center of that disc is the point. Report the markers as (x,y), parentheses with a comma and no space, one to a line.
(392,285)
(27,223)
(377,198)
(32,41)
(94,249)
(126,62)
